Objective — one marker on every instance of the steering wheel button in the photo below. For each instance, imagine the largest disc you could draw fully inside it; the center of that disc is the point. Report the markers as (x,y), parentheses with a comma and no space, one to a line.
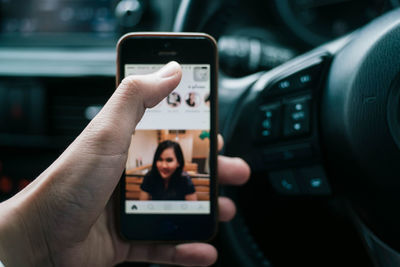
(314,180)
(284,182)
(266,133)
(298,116)
(266,124)
(298,106)
(269,122)
(297,126)
(284,84)
(307,77)
(304,79)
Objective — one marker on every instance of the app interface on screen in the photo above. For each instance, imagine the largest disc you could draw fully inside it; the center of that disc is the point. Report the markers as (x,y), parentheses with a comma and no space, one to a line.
(167,171)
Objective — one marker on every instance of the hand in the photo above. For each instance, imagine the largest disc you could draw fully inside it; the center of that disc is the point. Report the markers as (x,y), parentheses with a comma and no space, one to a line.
(65,217)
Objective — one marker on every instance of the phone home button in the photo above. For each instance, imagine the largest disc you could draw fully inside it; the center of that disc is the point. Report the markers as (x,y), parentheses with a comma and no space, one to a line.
(169,227)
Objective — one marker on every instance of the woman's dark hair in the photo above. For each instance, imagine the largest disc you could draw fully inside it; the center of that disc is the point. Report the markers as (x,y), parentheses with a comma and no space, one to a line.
(178,153)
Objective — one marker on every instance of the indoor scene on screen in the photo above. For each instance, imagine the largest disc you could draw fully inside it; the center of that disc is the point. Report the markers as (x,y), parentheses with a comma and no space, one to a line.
(168,165)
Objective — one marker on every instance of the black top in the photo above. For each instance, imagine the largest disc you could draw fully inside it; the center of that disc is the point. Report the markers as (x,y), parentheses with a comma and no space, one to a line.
(178,187)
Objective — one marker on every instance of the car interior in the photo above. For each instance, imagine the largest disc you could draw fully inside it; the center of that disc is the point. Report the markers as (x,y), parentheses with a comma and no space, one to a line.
(309,97)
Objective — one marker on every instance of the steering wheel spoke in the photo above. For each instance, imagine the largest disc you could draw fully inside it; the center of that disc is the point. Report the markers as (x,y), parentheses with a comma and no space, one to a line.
(279,122)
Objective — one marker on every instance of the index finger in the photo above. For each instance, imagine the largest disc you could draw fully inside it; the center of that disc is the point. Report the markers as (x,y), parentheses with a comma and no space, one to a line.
(232,171)
(191,254)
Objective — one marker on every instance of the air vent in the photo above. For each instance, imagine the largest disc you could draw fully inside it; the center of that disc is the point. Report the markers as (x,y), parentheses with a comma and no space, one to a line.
(74,102)
(68,114)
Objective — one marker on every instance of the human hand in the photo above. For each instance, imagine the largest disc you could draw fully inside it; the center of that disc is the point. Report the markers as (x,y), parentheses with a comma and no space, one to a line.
(65,217)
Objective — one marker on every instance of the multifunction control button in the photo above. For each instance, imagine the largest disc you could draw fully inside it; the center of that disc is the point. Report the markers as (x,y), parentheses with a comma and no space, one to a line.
(297,116)
(269,122)
(314,180)
(284,182)
(305,78)
(309,180)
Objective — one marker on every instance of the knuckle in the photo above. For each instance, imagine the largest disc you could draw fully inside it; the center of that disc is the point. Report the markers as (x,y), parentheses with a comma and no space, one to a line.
(130,86)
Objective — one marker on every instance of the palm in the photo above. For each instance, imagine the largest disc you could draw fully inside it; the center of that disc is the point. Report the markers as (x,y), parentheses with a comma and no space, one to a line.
(101,247)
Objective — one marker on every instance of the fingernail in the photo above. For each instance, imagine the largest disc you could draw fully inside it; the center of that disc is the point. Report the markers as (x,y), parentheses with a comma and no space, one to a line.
(169,70)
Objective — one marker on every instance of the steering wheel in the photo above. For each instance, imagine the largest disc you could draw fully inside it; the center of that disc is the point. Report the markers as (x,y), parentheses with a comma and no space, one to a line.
(324,124)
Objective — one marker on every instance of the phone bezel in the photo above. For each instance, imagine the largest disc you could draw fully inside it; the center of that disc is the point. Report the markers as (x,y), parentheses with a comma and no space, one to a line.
(190,48)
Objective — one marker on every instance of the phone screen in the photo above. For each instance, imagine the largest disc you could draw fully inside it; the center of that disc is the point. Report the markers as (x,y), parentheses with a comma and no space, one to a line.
(168,170)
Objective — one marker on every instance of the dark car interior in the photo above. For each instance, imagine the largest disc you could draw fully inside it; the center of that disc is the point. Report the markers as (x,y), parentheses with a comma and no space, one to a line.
(309,96)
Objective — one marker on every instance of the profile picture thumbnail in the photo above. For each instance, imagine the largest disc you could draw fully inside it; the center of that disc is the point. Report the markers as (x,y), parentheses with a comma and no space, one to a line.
(192,99)
(174,99)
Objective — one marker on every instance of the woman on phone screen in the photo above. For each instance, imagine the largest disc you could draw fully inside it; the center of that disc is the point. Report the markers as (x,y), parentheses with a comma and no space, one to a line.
(166,180)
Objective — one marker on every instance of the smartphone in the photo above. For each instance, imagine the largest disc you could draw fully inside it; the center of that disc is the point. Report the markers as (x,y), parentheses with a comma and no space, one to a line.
(168,191)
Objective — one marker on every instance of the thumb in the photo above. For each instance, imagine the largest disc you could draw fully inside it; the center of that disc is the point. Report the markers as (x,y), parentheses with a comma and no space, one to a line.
(137,92)
(119,117)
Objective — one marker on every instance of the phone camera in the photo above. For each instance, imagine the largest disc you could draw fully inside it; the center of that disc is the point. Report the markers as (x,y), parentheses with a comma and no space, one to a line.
(167,45)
